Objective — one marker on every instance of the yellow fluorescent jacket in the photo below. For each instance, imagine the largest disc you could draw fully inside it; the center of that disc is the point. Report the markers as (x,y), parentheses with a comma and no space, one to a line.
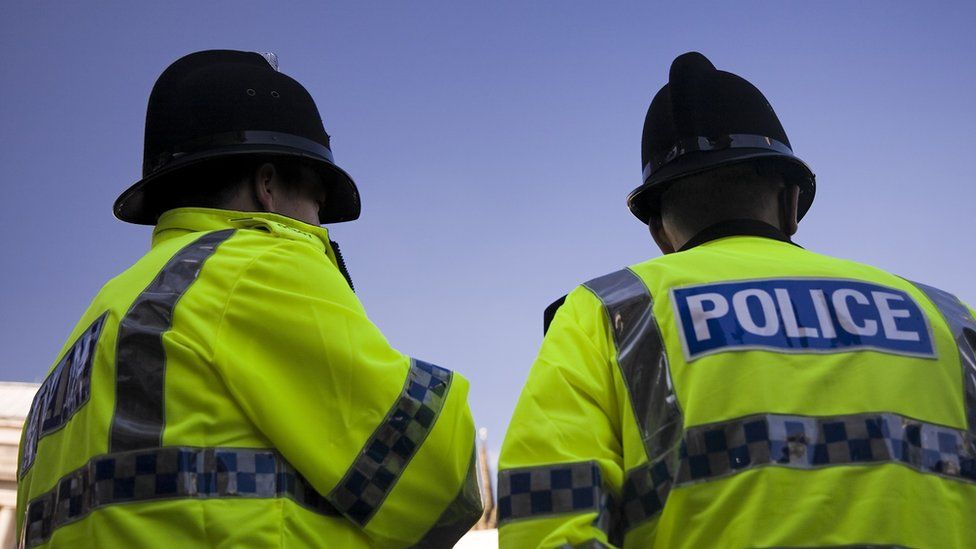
(228,390)
(746,393)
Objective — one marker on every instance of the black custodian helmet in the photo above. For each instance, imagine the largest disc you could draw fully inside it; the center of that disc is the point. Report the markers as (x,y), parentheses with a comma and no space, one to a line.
(704,118)
(220,103)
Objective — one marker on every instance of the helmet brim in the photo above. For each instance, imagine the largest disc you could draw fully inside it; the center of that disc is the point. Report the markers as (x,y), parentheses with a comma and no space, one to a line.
(644,201)
(342,202)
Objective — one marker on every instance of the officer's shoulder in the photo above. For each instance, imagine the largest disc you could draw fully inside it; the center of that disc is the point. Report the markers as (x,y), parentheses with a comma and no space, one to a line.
(273,228)
(574,300)
(591,289)
(268,252)
(550,313)
(858,270)
(646,273)
(260,235)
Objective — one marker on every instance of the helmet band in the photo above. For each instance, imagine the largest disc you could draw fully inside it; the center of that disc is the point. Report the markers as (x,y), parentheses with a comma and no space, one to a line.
(731,141)
(231,139)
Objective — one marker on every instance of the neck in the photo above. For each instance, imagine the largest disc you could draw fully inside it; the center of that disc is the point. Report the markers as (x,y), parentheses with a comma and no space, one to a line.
(734,227)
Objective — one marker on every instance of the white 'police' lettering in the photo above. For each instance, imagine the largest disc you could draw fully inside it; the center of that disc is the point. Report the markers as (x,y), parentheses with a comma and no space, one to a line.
(840,300)
(790,322)
(888,316)
(700,316)
(823,314)
(800,315)
(770,322)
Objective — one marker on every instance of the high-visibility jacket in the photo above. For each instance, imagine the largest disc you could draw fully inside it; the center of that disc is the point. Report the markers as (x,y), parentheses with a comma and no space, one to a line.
(746,393)
(228,390)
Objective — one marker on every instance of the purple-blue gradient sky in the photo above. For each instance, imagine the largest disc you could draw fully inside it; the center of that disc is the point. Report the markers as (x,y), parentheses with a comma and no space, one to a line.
(494,144)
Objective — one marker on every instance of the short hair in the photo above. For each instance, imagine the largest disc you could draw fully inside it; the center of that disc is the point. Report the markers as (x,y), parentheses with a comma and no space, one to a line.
(747,190)
(214,183)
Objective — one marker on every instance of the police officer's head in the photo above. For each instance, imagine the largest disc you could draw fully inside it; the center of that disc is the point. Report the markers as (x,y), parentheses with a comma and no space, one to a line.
(714,150)
(226,129)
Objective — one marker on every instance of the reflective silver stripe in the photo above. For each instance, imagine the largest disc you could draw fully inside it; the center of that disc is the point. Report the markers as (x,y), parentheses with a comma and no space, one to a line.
(642,358)
(386,454)
(140,358)
(709,452)
(963,327)
(167,473)
(534,492)
(460,515)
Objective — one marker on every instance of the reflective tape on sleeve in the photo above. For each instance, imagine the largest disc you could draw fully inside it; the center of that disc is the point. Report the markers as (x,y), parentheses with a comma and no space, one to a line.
(167,473)
(460,515)
(393,444)
(535,492)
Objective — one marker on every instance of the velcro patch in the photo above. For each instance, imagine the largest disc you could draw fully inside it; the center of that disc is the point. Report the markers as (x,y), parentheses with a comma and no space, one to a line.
(800,315)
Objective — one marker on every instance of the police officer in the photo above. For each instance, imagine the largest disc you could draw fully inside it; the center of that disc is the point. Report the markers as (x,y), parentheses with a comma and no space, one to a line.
(228,389)
(741,391)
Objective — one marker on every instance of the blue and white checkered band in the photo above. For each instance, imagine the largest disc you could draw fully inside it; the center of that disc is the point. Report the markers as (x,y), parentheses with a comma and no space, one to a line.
(167,473)
(391,446)
(710,452)
(65,390)
(800,315)
(548,490)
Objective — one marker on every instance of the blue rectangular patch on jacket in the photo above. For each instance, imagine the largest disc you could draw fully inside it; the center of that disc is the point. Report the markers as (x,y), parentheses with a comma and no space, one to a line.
(800,315)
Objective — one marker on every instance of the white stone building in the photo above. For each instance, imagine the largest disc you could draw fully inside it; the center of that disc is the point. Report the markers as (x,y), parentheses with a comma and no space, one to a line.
(15,401)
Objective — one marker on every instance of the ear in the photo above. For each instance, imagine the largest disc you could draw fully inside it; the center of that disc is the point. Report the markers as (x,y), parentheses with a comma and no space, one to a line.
(660,235)
(265,190)
(789,205)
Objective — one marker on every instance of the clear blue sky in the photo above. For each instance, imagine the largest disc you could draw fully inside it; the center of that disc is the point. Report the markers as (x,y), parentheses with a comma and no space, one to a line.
(494,144)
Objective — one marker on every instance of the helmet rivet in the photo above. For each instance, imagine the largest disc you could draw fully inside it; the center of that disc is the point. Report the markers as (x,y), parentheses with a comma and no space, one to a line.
(251,92)
(274,94)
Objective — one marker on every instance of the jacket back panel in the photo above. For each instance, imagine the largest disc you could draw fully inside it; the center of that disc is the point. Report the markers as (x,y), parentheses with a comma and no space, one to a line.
(721,397)
(758,504)
(201,411)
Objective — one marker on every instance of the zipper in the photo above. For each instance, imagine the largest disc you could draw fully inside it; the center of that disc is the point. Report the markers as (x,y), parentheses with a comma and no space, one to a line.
(341,264)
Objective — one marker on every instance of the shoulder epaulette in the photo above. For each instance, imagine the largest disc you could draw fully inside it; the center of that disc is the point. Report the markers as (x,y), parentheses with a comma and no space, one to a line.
(550,313)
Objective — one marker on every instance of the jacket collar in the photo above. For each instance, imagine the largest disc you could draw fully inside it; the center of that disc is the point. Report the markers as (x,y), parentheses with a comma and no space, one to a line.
(181,221)
(736,227)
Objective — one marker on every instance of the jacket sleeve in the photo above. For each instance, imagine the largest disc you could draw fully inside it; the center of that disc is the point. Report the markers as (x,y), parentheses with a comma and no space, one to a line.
(388,440)
(561,463)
